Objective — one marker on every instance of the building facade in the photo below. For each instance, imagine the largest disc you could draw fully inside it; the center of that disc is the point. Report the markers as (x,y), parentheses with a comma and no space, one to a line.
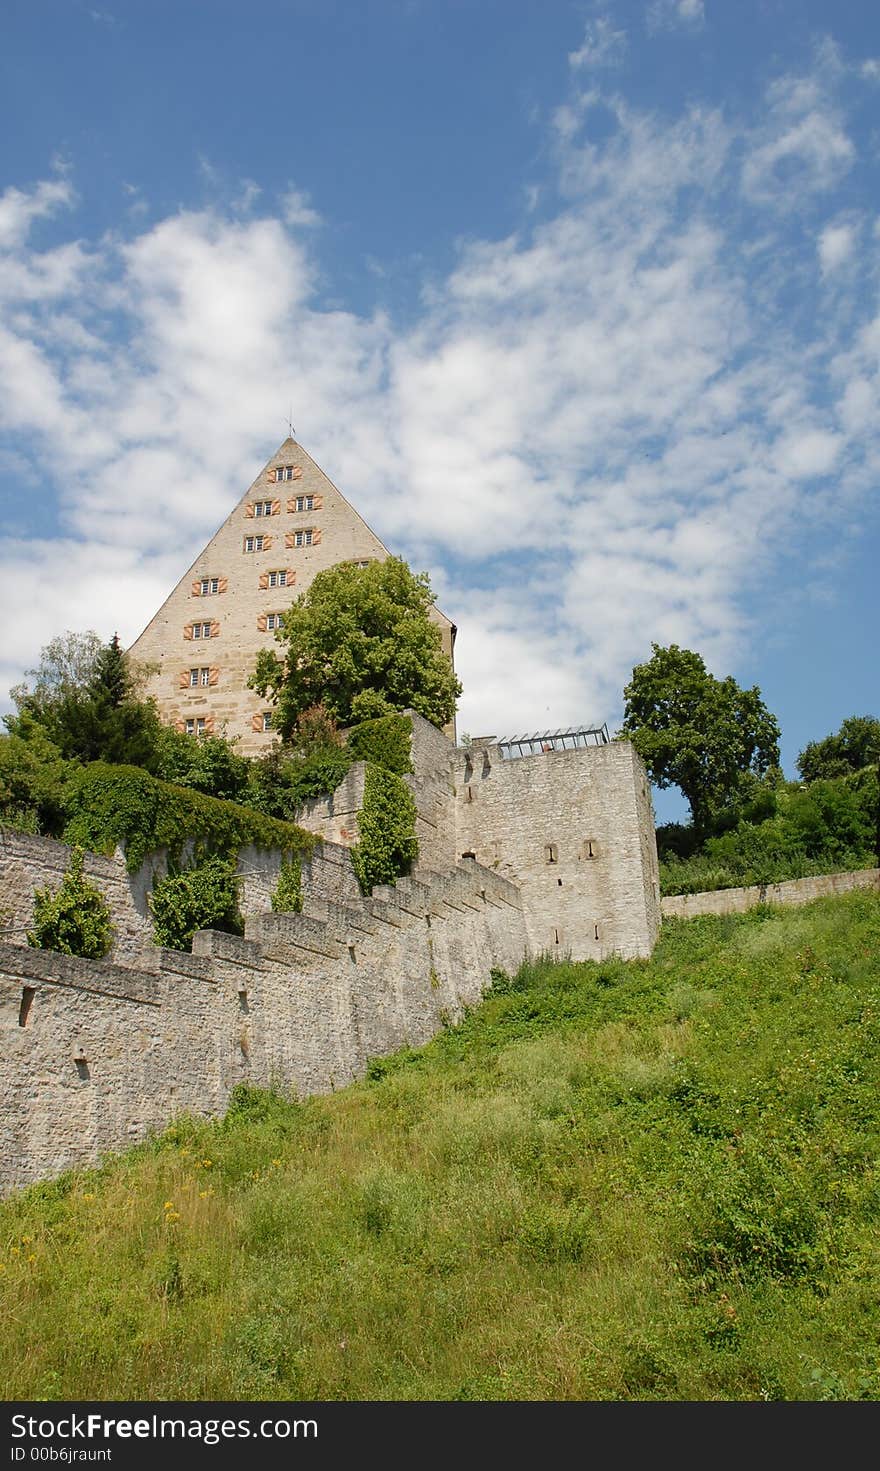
(201,646)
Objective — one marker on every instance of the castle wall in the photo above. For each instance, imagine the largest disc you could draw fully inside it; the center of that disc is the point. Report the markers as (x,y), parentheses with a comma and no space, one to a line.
(789,891)
(574,831)
(97,1055)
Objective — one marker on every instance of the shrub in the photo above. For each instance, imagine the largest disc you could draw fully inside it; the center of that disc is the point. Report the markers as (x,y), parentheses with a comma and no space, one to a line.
(75,920)
(202,897)
(287,897)
(387,822)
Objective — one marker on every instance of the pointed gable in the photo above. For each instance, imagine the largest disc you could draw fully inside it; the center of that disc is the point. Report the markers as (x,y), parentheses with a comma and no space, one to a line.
(291,523)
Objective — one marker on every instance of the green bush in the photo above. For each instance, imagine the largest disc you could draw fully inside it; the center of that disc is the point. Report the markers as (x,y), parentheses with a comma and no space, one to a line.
(287,897)
(385,742)
(75,920)
(202,897)
(122,804)
(388,844)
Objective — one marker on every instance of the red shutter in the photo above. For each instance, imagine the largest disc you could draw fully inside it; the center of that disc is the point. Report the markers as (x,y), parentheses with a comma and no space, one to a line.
(276,508)
(264,581)
(316,538)
(209,724)
(290,540)
(261,622)
(291,576)
(272,476)
(215,628)
(214,676)
(256,722)
(180,725)
(223,584)
(197,588)
(188,631)
(297,472)
(291,505)
(249,508)
(183,679)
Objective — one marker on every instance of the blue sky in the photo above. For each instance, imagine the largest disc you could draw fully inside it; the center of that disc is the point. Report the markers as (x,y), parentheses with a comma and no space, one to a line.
(577,303)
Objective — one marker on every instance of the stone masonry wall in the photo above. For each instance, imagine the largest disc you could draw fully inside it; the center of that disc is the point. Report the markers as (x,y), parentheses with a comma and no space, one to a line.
(97,1055)
(790,891)
(574,831)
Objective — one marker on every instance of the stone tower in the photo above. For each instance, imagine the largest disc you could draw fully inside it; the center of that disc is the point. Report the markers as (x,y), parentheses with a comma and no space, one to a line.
(201,646)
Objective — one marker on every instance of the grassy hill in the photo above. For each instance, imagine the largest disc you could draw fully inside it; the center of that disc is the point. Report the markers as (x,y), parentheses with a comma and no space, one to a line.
(642,1180)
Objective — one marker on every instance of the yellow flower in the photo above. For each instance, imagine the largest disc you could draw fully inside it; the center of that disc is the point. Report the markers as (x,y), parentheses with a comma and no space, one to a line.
(86,1195)
(14,1251)
(169,1205)
(26,1240)
(32,1258)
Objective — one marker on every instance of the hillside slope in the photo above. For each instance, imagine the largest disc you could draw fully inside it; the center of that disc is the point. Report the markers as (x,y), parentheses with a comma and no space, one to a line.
(645,1180)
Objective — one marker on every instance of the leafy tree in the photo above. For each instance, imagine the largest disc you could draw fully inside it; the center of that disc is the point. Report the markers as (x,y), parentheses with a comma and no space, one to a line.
(84,699)
(202,897)
(74,920)
(697,732)
(360,641)
(855,745)
(33,781)
(312,763)
(206,763)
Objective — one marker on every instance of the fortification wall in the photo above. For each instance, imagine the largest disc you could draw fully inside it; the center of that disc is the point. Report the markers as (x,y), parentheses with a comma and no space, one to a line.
(790,891)
(574,831)
(97,1055)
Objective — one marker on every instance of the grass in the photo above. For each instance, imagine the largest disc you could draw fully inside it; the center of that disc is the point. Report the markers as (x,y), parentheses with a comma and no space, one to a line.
(649,1180)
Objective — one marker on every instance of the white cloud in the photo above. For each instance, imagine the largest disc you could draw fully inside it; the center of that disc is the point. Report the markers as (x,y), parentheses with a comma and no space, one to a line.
(602,46)
(835,246)
(296,209)
(802,148)
(671,14)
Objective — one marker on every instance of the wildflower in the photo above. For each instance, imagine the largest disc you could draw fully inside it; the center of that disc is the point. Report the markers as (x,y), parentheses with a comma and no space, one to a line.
(32,1257)
(14,1251)
(169,1205)
(87,1195)
(26,1240)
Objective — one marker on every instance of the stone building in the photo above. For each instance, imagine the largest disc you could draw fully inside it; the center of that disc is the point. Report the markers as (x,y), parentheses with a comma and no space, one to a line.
(202,645)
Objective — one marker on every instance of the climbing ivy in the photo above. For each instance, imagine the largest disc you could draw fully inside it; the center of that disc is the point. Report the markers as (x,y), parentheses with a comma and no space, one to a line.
(201,897)
(107,805)
(388,844)
(385,742)
(75,919)
(287,897)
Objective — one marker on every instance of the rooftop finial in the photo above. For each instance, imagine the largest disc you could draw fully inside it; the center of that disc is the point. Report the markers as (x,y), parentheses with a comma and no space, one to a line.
(290,423)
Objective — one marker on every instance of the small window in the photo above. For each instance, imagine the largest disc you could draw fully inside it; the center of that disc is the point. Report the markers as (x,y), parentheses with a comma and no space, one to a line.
(262,508)
(550,853)
(201,630)
(253,543)
(267,719)
(303,538)
(205,676)
(209,585)
(590,848)
(273,620)
(27,1000)
(190,727)
(305,503)
(193,679)
(278,579)
(285,472)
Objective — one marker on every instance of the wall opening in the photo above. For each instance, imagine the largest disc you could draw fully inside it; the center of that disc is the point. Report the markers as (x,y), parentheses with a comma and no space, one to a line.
(27,1001)
(556,937)
(551,854)
(595,932)
(243,1004)
(590,848)
(559,882)
(470,855)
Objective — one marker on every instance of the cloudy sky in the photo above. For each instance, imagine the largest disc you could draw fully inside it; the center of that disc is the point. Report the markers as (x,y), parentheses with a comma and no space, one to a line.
(577,303)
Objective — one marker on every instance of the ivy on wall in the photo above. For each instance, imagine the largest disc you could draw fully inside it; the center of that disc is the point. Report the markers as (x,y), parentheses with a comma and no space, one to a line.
(201,897)
(107,805)
(385,742)
(287,897)
(388,844)
(75,919)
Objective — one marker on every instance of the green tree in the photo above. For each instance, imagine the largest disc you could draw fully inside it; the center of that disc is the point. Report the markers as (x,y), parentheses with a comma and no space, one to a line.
(360,641)
(206,763)
(855,745)
(74,920)
(696,732)
(33,781)
(84,699)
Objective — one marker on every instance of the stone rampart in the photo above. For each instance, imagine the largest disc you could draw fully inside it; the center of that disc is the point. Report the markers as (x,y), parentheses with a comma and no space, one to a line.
(789,891)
